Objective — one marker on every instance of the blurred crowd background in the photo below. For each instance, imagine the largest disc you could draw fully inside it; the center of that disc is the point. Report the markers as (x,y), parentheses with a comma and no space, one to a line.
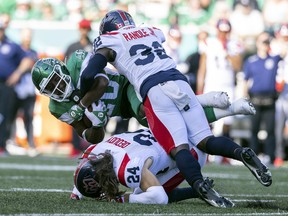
(193,28)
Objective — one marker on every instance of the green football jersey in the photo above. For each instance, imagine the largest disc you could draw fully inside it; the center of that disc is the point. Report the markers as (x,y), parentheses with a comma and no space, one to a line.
(119,97)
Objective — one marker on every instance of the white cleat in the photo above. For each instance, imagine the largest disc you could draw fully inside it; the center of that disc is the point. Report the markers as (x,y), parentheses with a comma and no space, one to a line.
(215,99)
(243,106)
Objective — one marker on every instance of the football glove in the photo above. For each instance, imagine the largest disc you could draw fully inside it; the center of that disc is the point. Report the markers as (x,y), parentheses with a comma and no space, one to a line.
(76,112)
(98,115)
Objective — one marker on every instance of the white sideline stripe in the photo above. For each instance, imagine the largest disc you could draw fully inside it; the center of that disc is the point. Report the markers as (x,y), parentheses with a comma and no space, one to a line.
(256,195)
(211,214)
(37,167)
(248,200)
(228,195)
(28,177)
(35,190)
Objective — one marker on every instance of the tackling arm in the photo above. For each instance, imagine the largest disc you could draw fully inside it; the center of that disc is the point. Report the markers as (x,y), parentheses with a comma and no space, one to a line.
(95,67)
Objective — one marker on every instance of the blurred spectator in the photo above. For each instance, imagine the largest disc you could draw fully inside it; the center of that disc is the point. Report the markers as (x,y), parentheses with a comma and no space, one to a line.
(74,8)
(200,11)
(252,3)
(247,23)
(222,10)
(275,13)
(173,42)
(260,75)
(84,42)
(282,102)
(25,93)
(47,12)
(13,63)
(218,65)
(279,44)
(6,7)
(23,10)
(193,60)
(84,27)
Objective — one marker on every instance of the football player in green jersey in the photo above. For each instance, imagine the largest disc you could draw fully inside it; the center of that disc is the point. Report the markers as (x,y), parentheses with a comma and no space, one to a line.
(61,83)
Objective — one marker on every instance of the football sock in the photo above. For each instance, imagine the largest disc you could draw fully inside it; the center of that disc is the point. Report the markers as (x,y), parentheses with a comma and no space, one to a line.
(221,113)
(179,194)
(188,166)
(223,146)
(210,115)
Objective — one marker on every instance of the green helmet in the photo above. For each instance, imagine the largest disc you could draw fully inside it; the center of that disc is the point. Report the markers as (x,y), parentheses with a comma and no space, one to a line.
(51,77)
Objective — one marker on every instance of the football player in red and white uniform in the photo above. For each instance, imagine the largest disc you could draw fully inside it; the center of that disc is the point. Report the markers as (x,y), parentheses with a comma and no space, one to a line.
(174,115)
(137,161)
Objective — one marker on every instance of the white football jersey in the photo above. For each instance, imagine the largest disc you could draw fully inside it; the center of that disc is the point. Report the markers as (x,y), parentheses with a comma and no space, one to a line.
(131,150)
(219,71)
(137,48)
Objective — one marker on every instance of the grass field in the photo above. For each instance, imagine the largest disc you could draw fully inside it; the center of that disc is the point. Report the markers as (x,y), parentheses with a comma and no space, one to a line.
(42,185)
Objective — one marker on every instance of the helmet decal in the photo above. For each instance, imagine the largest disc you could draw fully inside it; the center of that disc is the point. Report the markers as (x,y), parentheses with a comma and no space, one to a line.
(114,20)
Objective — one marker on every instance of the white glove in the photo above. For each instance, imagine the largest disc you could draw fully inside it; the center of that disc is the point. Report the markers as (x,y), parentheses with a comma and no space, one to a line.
(98,115)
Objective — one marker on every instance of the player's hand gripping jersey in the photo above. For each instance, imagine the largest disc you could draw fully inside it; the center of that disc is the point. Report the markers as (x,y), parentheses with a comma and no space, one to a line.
(131,150)
(136,48)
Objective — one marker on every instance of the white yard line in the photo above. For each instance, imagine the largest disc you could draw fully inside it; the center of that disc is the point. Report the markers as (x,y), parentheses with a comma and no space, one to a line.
(35,190)
(211,214)
(37,167)
(228,195)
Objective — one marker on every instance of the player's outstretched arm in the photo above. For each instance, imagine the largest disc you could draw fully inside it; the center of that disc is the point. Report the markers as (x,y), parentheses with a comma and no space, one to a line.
(153,192)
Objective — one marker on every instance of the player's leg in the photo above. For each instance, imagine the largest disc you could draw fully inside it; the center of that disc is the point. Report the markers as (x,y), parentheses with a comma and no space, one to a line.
(164,109)
(225,147)
(241,106)
(217,99)
(171,179)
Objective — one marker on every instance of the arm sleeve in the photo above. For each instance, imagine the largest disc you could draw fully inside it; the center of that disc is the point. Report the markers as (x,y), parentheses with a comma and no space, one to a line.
(95,66)
(153,195)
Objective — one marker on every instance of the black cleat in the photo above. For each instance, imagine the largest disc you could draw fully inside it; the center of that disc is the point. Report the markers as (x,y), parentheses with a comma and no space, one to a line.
(206,192)
(257,168)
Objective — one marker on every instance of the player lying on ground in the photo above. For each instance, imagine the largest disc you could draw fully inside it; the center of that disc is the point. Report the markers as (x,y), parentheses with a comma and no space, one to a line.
(137,161)
(61,84)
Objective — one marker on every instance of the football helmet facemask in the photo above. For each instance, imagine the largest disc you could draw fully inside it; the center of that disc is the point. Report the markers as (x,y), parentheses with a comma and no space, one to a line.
(85,179)
(115,20)
(51,77)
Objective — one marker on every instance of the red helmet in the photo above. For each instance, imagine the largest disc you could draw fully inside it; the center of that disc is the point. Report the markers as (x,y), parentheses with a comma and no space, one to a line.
(115,20)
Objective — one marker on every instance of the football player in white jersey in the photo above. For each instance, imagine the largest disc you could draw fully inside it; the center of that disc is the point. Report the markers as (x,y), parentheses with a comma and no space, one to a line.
(137,161)
(174,115)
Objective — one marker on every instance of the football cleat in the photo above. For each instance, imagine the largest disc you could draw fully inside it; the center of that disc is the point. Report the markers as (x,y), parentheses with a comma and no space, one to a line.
(257,168)
(243,106)
(216,99)
(206,192)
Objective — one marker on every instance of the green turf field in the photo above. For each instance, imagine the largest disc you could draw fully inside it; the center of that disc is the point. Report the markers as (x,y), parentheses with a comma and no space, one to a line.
(42,185)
